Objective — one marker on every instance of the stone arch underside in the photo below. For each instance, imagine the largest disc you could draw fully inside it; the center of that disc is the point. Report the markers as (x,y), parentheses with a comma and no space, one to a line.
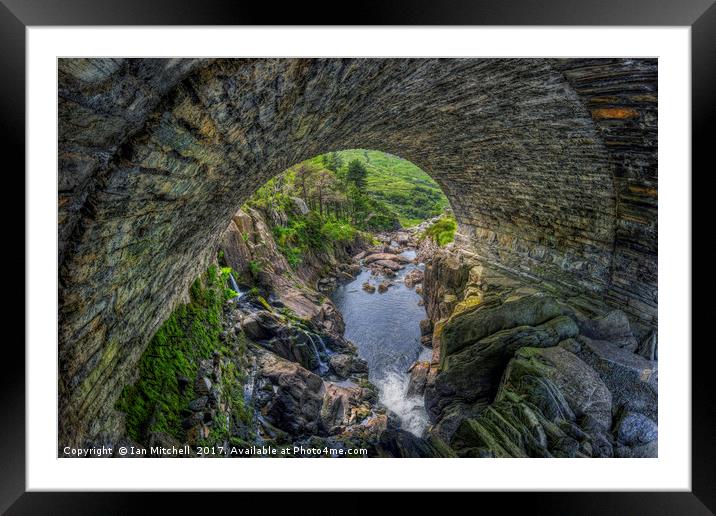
(550,167)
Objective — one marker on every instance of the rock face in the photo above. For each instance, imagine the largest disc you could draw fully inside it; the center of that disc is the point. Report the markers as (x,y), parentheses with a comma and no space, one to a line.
(295,395)
(517,372)
(155,155)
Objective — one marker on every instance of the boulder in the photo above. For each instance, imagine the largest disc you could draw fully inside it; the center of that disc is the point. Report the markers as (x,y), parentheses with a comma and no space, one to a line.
(402,238)
(385,256)
(473,374)
(413,277)
(489,318)
(300,205)
(384,286)
(388,264)
(343,406)
(613,327)
(344,364)
(632,379)
(550,404)
(368,287)
(578,384)
(260,325)
(634,429)
(294,400)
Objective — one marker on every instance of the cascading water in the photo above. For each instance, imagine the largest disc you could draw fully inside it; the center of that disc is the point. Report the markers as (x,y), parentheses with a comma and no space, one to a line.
(235,286)
(322,366)
(385,328)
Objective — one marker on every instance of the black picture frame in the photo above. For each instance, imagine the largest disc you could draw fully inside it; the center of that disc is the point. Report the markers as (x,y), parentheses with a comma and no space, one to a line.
(700,15)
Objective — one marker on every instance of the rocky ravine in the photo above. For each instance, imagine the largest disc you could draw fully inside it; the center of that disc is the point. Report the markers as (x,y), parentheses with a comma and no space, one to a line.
(517,371)
(284,375)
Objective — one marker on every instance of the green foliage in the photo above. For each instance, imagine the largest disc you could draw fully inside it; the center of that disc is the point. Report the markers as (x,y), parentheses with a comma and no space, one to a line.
(399,185)
(357,173)
(191,333)
(442,231)
(255,268)
(338,231)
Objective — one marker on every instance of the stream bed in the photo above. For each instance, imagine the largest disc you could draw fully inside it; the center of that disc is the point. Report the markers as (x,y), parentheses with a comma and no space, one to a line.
(386,330)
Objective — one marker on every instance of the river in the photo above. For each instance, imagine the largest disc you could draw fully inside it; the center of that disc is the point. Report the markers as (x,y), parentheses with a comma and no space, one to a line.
(385,328)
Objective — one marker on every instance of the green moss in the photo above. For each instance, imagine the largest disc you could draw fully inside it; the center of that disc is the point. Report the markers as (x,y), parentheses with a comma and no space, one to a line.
(154,402)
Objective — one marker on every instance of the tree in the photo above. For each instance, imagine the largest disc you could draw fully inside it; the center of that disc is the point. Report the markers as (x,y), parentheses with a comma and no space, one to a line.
(332,161)
(357,174)
(304,174)
(324,180)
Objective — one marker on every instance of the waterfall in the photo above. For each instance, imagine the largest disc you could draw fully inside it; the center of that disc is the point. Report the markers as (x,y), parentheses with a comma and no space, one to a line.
(234,286)
(322,366)
(323,344)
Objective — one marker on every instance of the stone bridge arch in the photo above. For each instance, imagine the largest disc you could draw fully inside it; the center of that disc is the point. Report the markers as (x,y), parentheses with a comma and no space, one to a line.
(549,165)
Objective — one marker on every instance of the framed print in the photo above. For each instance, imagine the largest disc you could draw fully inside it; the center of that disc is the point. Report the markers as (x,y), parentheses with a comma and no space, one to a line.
(451,249)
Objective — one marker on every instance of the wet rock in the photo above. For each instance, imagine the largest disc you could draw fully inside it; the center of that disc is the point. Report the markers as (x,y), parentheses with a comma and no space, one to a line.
(579,385)
(426,327)
(344,364)
(395,258)
(418,378)
(413,277)
(550,404)
(359,256)
(388,264)
(260,325)
(342,406)
(368,287)
(427,341)
(399,443)
(384,286)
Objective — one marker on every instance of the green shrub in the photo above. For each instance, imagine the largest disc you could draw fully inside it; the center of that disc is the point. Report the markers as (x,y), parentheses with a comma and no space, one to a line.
(442,231)
(338,231)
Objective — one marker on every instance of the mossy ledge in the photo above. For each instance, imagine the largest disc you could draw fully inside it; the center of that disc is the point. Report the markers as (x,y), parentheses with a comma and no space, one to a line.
(193,332)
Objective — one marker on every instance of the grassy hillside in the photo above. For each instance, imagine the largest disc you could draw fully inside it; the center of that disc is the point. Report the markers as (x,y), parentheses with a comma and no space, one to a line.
(403,187)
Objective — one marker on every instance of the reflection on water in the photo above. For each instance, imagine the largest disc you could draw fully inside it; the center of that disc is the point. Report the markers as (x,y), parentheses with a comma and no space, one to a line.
(385,328)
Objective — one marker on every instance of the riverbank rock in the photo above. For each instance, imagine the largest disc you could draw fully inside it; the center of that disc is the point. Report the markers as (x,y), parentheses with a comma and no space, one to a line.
(368,287)
(395,258)
(418,378)
(384,286)
(290,397)
(550,404)
(472,374)
(344,364)
(413,277)
(388,264)
(342,406)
